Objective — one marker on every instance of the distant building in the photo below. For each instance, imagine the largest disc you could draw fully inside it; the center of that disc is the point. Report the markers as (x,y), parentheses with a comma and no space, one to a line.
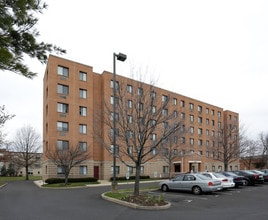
(73,93)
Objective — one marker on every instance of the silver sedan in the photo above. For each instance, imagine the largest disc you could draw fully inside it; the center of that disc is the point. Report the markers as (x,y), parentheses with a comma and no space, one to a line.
(192,182)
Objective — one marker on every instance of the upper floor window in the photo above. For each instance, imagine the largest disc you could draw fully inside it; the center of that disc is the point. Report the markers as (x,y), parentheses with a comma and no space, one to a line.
(82,111)
(82,146)
(112,84)
(164,98)
(219,114)
(129,88)
(199,109)
(140,91)
(174,101)
(153,94)
(62,126)
(62,107)
(129,103)
(82,129)
(212,112)
(191,106)
(63,71)
(182,103)
(83,93)
(62,145)
(165,112)
(207,110)
(191,118)
(63,89)
(82,76)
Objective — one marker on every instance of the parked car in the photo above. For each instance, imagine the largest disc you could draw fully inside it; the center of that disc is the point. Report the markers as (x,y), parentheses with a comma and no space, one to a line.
(192,182)
(261,177)
(227,182)
(252,177)
(238,180)
(265,174)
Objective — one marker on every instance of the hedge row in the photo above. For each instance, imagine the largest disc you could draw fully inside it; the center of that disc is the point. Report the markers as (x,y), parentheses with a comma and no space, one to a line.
(130,178)
(71,180)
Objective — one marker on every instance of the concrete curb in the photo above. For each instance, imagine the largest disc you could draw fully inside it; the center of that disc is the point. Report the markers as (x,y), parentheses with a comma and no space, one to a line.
(135,206)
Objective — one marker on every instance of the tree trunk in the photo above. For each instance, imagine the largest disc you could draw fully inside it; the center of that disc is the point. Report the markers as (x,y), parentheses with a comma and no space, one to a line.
(137,180)
(66,178)
(27,173)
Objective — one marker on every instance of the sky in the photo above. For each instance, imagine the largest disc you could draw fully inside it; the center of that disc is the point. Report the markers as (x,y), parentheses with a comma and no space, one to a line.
(210,50)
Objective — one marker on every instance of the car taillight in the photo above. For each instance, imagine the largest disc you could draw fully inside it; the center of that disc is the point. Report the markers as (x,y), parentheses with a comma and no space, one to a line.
(210,184)
(224,180)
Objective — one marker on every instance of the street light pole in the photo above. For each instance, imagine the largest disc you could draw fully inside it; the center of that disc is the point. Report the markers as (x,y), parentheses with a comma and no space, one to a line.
(120,57)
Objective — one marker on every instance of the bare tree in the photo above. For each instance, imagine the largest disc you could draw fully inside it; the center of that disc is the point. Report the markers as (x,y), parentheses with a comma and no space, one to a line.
(250,150)
(4,116)
(226,147)
(67,158)
(171,147)
(140,119)
(26,145)
(264,145)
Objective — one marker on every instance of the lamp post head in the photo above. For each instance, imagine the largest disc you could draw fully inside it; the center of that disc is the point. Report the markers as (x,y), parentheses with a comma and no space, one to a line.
(120,56)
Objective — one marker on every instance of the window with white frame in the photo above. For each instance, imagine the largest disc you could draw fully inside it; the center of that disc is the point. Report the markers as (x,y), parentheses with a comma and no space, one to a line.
(62,107)
(200,131)
(113,100)
(182,140)
(82,111)
(182,103)
(82,146)
(82,76)
(191,130)
(130,119)
(200,120)
(200,142)
(191,141)
(112,84)
(153,94)
(63,89)
(174,101)
(153,109)
(165,112)
(130,150)
(129,103)
(175,114)
(140,91)
(191,118)
(130,170)
(164,98)
(60,170)
(62,145)
(140,106)
(191,106)
(129,88)
(117,169)
(83,93)
(62,126)
(82,129)
(153,137)
(116,116)
(199,108)
(83,170)
(63,71)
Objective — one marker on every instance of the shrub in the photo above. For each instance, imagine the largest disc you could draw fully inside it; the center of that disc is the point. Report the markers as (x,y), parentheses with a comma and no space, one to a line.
(71,180)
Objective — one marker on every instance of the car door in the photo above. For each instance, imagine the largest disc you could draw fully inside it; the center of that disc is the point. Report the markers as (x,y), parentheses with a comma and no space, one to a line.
(188,182)
(177,183)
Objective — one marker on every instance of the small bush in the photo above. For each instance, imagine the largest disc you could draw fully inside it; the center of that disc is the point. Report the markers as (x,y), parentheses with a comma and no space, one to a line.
(70,180)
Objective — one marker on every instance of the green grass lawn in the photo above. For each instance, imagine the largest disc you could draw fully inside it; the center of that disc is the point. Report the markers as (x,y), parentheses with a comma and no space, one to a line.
(5,179)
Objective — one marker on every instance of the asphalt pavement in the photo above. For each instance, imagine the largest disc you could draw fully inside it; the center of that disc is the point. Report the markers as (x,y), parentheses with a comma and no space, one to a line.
(24,200)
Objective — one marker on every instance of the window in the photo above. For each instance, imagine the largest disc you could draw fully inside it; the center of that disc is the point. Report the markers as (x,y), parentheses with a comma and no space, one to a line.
(117,169)
(116,116)
(140,91)
(130,170)
(153,109)
(207,132)
(153,122)
(83,170)
(63,89)
(212,112)
(130,150)
(207,121)
(219,114)
(191,118)
(62,107)
(165,112)
(129,88)
(191,106)
(174,101)
(140,106)
(164,98)
(153,137)
(212,122)
(200,131)
(165,169)
(82,111)
(82,76)
(191,141)
(83,93)
(63,71)
(207,143)
(82,146)
(182,140)
(82,129)
(112,149)
(199,109)
(142,169)
(60,170)
(62,145)
(153,94)
(182,103)
(130,119)
(62,126)
(129,103)
(112,100)
(191,130)
(175,114)
(200,142)
(112,84)
(182,115)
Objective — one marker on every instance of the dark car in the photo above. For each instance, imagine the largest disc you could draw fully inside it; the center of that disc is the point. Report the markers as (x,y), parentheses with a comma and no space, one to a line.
(261,175)
(253,178)
(265,175)
(238,179)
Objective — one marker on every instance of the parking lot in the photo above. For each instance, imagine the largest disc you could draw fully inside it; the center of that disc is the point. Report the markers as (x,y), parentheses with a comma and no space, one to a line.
(24,200)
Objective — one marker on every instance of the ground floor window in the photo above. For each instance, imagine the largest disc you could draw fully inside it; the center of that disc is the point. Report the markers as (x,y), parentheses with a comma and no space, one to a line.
(117,169)
(83,170)
(165,169)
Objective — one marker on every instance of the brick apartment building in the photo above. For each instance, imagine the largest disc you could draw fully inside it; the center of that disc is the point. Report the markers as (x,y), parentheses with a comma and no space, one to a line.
(74,95)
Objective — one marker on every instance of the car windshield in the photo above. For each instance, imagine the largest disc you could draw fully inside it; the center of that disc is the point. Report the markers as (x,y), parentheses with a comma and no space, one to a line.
(218,175)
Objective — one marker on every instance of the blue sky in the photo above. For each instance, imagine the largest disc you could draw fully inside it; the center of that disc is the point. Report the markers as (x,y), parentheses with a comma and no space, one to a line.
(213,51)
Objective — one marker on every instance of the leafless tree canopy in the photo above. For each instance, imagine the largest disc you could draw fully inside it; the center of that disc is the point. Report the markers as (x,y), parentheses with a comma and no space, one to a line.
(26,144)
(66,159)
(143,123)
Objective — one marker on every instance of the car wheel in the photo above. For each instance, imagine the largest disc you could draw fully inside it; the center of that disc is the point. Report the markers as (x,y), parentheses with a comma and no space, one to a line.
(246,182)
(196,190)
(164,188)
